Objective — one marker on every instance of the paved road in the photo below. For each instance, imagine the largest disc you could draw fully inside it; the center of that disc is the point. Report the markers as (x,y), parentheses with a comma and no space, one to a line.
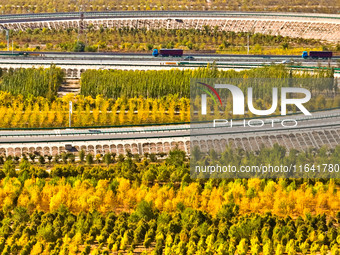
(166,14)
(104,56)
(131,60)
(310,25)
(318,120)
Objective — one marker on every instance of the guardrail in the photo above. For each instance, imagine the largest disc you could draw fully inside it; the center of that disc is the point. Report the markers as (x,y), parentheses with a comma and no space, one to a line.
(166,14)
(162,124)
(198,64)
(176,135)
(182,64)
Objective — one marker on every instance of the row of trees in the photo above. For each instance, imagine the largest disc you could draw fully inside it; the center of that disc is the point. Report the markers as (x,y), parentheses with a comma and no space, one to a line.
(150,231)
(18,112)
(128,180)
(15,111)
(32,82)
(37,6)
(131,39)
(277,155)
(82,157)
(155,84)
(281,197)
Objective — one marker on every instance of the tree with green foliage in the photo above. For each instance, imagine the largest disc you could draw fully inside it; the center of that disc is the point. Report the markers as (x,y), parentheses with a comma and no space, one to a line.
(9,168)
(81,156)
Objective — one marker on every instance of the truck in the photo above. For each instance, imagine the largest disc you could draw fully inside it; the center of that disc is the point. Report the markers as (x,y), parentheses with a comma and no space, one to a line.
(20,54)
(167,52)
(317,54)
(14,54)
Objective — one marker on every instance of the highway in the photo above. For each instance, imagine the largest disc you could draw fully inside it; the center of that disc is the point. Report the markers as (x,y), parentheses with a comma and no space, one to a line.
(74,64)
(299,25)
(131,56)
(135,14)
(153,62)
(318,120)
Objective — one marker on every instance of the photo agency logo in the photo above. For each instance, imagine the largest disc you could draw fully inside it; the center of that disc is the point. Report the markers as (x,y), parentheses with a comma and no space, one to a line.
(234,119)
(240,103)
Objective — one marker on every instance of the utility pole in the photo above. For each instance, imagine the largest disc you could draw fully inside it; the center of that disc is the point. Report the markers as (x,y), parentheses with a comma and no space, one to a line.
(70,114)
(7,38)
(248,44)
(248,39)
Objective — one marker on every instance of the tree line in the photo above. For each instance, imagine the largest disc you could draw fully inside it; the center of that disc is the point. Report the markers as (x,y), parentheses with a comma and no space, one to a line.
(166,182)
(38,6)
(32,82)
(143,40)
(156,84)
(39,112)
(150,231)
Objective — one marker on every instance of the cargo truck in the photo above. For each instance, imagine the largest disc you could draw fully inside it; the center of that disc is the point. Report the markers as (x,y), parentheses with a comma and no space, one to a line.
(167,52)
(317,54)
